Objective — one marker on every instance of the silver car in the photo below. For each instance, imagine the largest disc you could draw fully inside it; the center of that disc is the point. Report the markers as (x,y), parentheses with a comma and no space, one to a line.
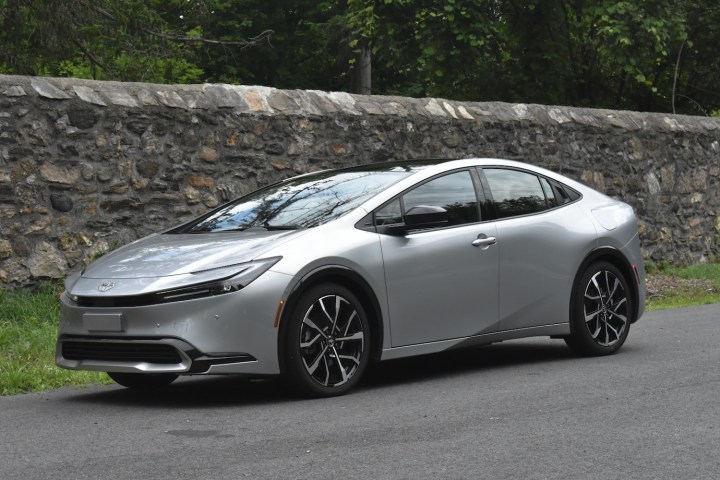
(313,277)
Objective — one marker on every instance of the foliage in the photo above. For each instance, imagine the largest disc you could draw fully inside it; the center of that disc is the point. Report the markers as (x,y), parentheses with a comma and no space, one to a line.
(28,331)
(640,54)
(684,297)
(705,271)
(106,40)
(602,53)
(425,47)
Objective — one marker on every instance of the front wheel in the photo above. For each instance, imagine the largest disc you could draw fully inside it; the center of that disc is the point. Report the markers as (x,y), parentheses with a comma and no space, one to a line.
(601,311)
(142,381)
(327,345)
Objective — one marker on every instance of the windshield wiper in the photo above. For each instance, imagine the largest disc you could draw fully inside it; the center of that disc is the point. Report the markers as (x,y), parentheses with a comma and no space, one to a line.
(268,226)
(235,229)
(264,227)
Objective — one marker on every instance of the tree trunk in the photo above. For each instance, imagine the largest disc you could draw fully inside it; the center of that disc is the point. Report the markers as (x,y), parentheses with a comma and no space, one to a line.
(362,70)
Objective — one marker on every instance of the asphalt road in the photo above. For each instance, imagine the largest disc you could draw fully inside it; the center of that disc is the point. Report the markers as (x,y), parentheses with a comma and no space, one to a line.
(526,409)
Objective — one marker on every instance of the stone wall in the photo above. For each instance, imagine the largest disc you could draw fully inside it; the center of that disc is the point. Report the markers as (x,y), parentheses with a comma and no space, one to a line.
(86,166)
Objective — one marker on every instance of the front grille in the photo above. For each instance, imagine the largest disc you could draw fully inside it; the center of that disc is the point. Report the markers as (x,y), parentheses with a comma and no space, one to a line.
(118,302)
(121,352)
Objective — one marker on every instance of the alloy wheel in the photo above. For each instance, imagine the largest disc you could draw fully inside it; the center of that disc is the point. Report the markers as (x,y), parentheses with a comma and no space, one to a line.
(605,308)
(332,340)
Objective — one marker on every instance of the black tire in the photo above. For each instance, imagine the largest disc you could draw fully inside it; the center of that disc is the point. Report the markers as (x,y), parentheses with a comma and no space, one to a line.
(143,381)
(601,311)
(327,342)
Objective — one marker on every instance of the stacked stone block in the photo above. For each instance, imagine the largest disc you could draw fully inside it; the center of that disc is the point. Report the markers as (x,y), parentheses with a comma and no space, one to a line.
(86,166)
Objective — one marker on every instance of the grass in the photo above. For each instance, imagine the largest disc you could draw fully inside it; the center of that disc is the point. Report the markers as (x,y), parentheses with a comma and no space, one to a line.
(706,271)
(672,287)
(29,321)
(28,331)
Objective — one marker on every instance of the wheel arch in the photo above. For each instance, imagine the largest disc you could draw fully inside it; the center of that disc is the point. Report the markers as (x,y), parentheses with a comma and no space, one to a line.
(349,279)
(617,259)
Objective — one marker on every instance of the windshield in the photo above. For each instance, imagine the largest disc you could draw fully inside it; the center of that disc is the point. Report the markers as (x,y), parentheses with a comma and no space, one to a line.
(301,202)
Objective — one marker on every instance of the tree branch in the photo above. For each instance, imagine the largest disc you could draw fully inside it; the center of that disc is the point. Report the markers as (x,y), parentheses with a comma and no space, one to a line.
(700,107)
(93,58)
(677,67)
(243,44)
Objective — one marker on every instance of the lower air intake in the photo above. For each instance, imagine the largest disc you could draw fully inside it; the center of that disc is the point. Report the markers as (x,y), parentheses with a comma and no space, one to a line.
(121,352)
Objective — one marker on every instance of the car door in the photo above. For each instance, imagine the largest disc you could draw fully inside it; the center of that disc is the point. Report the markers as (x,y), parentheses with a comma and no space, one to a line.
(441,282)
(544,236)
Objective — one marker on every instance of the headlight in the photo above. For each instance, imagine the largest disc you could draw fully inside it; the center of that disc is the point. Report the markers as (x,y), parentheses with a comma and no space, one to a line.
(243,274)
(71,299)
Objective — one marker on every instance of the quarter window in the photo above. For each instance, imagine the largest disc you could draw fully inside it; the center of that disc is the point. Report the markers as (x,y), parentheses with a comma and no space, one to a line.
(390,214)
(549,195)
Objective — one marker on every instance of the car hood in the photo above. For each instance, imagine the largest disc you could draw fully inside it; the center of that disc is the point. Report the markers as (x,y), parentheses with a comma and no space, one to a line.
(165,261)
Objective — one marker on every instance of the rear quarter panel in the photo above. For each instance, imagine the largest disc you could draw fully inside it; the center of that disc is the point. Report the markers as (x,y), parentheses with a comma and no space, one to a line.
(539,257)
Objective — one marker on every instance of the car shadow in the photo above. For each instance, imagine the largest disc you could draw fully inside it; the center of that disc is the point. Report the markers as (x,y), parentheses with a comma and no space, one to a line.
(193,392)
(232,390)
(458,362)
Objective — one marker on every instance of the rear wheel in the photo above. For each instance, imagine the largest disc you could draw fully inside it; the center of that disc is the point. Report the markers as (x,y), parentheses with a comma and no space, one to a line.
(601,311)
(143,380)
(327,345)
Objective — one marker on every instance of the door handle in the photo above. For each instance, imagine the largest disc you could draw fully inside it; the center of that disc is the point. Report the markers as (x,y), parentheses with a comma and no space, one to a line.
(484,241)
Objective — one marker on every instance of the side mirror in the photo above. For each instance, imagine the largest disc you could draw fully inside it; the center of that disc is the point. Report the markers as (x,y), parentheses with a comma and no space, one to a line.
(425,216)
(422,216)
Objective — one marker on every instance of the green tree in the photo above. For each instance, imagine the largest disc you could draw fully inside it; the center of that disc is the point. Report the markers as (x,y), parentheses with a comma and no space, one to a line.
(432,48)
(630,54)
(301,53)
(102,39)
(548,51)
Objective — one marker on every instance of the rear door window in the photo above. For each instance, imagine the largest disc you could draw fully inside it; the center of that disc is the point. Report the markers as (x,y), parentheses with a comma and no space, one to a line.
(515,192)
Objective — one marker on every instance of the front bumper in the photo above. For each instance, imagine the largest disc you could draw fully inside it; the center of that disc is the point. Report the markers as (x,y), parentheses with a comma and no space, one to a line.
(144,355)
(231,333)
